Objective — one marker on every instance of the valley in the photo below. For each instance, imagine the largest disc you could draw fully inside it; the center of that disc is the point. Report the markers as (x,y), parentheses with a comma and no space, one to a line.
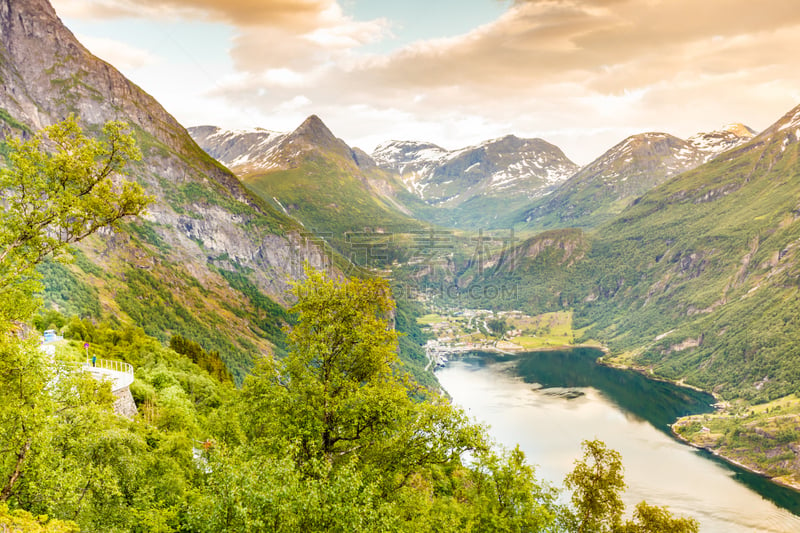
(679,257)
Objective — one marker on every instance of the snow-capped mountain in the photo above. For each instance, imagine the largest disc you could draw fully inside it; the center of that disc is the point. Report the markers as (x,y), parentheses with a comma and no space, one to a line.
(244,151)
(508,166)
(410,159)
(314,177)
(608,184)
(714,143)
(259,150)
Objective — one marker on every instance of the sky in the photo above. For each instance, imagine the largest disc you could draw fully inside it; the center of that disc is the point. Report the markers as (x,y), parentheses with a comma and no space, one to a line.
(581,74)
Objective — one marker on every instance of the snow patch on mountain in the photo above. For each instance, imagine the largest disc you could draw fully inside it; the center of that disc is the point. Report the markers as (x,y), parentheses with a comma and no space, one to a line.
(714,143)
(792,122)
(244,151)
(503,166)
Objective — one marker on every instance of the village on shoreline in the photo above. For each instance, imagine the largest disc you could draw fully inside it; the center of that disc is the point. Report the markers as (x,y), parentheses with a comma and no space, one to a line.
(466,330)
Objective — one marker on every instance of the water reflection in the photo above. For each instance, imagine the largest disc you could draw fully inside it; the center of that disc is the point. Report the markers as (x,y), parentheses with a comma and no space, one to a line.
(657,402)
(623,409)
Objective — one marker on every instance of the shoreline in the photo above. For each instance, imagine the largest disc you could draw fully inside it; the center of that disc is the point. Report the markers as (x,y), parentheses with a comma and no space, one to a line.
(646,372)
(495,349)
(795,486)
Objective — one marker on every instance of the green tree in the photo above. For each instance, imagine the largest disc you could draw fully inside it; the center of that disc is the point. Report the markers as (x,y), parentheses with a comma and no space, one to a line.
(24,522)
(26,407)
(337,418)
(652,519)
(338,372)
(497,326)
(59,187)
(596,483)
(339,394)
(506,496)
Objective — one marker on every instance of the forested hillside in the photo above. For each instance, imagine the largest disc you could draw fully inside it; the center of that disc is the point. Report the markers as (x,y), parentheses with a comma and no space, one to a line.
(708,286)
(280,384)
(209,260)
(697,280)
(333,436)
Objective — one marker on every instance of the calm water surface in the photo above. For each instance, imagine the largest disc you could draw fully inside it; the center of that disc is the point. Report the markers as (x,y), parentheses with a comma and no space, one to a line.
(630,414)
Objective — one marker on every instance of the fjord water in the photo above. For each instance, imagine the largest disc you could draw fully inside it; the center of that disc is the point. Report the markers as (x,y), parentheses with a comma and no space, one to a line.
(630,414)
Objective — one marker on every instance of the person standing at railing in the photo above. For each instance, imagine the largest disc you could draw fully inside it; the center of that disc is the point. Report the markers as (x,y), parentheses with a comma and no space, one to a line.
(94,360)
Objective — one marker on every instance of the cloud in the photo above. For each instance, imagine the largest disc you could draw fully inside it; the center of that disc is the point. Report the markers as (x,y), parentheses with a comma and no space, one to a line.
(296,103)
(298,16)
(545,67)
(121,55)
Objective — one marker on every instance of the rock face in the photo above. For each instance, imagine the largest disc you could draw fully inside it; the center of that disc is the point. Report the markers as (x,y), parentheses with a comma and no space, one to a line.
(47,74)
(244,151)
(505,167)
(124,404)
(203,221)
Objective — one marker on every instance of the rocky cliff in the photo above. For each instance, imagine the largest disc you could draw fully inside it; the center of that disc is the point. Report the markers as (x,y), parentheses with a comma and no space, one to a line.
(204,228)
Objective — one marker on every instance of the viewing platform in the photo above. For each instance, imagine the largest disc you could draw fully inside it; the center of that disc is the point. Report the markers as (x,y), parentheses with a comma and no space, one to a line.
(118,373)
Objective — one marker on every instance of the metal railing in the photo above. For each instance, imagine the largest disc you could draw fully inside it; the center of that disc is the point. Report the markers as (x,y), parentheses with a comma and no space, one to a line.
(110,364)
(121,374)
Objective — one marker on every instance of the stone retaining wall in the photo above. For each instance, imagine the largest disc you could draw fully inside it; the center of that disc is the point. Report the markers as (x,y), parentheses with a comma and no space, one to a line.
(124,404)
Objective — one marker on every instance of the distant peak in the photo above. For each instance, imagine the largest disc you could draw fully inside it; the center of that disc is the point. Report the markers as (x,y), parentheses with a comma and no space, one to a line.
(736,129)
(408,144)
(314,130)
(505,140)
(739,129)
(313,122)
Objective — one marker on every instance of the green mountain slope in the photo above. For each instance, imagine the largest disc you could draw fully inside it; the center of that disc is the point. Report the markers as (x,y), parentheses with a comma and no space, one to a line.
(208,255)
(699,278)
(602,189)
(337,192)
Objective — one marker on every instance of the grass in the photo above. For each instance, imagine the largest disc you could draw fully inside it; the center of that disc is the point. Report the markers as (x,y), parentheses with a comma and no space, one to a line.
(328,198)
(761,437)
(429,319)
(530,343)
(545,330)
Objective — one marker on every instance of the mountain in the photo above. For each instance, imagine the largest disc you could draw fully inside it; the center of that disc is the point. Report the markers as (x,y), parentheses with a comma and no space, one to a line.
(210,261)
(603,188)
(243,151)
(708,289)
(475,186)
(697,280)
(317,179)
(499,167)
(256,151)
(714,143)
